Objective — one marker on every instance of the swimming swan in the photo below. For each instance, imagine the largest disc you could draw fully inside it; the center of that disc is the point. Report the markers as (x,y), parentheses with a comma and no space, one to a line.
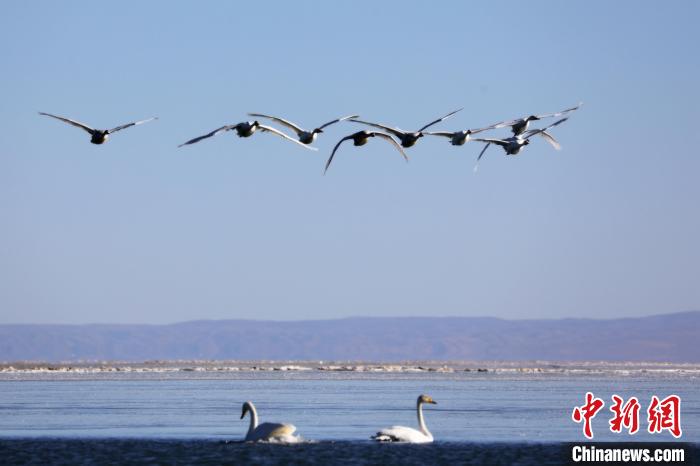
(305,137)
(514,144)
(98,136)
(360,139)
(244,130)
(406,434)
(267,431)
(407,138)
(520,125)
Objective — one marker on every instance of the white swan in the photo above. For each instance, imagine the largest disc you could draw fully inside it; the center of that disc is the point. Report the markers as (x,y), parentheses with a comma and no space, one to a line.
(305,137)
(97,136)
(245,130)
(406,434)
(360,139)
(407,138)
(267,431)
(520,125)
(514,144)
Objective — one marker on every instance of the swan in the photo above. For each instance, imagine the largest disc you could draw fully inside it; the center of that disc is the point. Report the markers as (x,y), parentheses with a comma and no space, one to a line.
(406,434)
(458,138)
(305,137)
(244,130)
(267,431)
(407,138)
(520,125)
(360,139)
(98,136)
(514,144)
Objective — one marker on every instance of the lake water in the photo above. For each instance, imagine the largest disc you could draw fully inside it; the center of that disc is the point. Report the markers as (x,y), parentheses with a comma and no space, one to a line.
(340,410)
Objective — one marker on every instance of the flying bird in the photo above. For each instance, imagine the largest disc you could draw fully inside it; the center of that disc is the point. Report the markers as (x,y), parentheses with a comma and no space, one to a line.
(305,137)
(520,125)
(245,130)
(97,136)
(407,434)
(360,139)
(407,138)
(458,138)
(514,144)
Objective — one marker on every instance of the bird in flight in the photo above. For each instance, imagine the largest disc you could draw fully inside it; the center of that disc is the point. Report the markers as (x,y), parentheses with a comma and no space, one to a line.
(407,138)
(305,137)
(97,136)
(520,125)
(360,139)
(514,144)
(244,130)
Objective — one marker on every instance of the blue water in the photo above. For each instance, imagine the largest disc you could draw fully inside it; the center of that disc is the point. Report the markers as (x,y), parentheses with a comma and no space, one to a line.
(472,407)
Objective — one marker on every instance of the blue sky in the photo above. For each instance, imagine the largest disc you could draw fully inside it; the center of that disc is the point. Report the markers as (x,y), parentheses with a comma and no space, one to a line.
(139,231)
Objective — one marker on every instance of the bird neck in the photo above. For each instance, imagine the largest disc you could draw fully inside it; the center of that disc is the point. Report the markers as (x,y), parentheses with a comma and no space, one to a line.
(421,421)
(253,418)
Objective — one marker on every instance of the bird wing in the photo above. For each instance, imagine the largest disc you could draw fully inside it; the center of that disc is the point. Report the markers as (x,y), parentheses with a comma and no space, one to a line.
(563,112)
(499,142)
(439,120)
(281,134)
(479,130)
(400,434)
(503,124)
(533,132)
(281,121)
(550,139)
(396,132)
(121,127)
(70,122)
(271,430)
(330,159)
(213,133)
(337,120)
(446,134)
(390,139)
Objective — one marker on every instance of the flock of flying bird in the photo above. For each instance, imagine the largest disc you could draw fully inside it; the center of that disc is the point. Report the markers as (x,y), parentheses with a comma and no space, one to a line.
(400,139)
(284,433)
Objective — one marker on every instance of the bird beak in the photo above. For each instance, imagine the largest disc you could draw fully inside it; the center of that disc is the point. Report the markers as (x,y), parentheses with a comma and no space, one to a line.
(242,414)
(433,402)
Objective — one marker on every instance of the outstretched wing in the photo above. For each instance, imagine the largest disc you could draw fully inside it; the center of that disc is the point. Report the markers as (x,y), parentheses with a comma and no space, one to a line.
(121,127)
(563,112)
(446,134)
(543,130)
(330,159)
(499,142)
(281,134)
(396,132)
(550,139)
(77,124)
(208,135)
(281,121)
(337,120)
(439,120)
(390,139)
(476,166)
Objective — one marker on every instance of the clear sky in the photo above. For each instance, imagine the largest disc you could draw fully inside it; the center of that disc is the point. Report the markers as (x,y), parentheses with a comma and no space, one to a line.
(138,230)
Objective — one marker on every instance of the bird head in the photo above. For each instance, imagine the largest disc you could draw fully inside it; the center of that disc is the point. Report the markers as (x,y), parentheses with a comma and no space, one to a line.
(246,408)
(317,130)
(532,118)
(426,399)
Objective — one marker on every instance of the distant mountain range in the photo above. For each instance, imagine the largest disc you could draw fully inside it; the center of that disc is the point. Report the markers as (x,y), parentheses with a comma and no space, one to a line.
(662,338)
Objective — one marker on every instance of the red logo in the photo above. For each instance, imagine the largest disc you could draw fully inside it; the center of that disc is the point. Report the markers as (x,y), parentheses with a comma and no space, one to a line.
(661,415)
(587,412)
(665,415)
